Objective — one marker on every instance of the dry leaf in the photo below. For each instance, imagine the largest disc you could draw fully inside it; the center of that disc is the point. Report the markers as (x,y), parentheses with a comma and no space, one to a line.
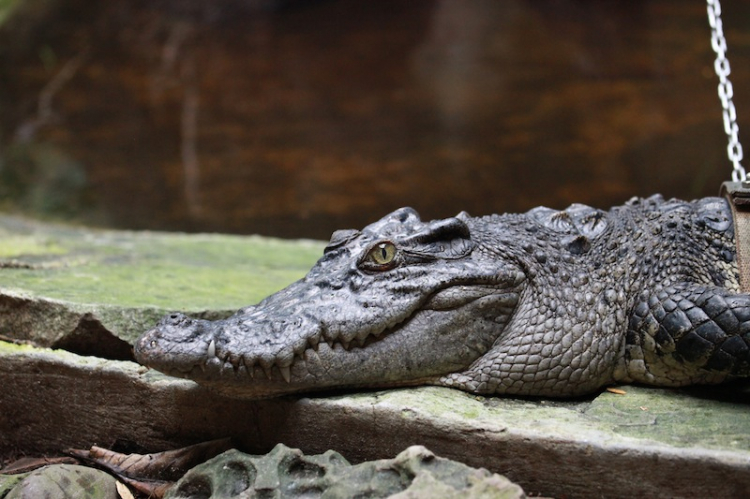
(616,391)
(162,466)
(123,491)
(152,474)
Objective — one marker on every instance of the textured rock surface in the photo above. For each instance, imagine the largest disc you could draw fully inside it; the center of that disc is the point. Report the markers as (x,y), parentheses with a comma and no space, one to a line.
(676,443)
(95,291)
(7,482)
(65,481)
(648,443)
(284,472)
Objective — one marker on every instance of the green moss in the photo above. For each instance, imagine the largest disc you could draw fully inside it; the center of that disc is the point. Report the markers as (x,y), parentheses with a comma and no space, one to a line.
(7,347)
(678,417)
(176,272)
(128,280)
(649,416)
(12,246)
(8,482)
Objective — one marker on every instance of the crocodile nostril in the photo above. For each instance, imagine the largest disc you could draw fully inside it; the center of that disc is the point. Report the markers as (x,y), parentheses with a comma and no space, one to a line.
(176,319)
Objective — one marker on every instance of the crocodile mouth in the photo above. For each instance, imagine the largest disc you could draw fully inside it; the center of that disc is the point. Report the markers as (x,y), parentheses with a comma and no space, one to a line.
(238,369)
(228,366)
(206,351)
(407,351)
(268,351)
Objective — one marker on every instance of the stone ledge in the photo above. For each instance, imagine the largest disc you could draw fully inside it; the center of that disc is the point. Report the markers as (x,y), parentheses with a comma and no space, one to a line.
(77,288)
(63,286)
(649,442)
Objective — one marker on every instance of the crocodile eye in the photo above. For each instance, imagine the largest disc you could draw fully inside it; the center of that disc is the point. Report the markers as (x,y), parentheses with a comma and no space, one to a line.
(382,255)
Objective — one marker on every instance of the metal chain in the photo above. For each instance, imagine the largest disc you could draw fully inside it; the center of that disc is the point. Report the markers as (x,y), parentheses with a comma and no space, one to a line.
(721,66)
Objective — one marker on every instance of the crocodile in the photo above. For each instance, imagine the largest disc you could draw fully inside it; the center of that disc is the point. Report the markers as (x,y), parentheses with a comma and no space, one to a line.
(545,303)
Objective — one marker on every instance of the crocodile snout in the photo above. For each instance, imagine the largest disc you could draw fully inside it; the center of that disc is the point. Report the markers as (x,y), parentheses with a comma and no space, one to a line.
(177,343)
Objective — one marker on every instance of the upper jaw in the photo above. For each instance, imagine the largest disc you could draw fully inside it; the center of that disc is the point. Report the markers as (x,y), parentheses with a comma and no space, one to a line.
(244,349)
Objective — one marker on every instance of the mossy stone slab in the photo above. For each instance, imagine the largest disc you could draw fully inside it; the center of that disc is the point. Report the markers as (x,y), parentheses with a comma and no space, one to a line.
(54,277)
(648,442)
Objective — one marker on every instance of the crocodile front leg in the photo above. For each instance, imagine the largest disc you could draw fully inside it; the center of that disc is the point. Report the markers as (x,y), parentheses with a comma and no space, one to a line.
(686,334)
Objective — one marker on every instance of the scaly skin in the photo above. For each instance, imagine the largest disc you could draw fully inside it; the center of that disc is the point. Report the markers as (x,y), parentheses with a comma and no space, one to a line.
(545,303)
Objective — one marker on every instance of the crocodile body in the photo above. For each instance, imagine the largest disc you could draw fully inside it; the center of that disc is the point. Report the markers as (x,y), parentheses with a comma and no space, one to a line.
(544,303)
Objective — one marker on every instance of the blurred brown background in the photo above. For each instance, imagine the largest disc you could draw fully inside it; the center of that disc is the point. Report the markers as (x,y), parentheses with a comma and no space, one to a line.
(294,118)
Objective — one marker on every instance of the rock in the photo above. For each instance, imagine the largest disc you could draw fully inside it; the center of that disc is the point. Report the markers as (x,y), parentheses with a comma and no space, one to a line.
(53,400)
(94,291)
(7,482)
(65,287)
(415,473)
(65,480)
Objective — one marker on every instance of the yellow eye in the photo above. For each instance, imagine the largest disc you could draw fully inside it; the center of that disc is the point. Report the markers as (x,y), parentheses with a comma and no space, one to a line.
(382,254)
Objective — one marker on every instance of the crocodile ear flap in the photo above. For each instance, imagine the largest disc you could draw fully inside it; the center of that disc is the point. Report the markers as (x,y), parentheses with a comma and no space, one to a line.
(340,238)
(447,238)
(402,215)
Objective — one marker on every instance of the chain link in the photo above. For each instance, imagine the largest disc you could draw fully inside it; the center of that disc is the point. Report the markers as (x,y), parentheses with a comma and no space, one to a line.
(726,92)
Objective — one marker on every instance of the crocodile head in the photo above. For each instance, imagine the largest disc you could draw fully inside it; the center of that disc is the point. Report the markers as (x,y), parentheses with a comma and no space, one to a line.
(400,302)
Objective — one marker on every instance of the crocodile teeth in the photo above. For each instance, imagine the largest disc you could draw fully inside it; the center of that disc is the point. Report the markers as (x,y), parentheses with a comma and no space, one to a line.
(234,361)
(239,365)
(250,369)
(313,344)
(313,341)
(211,352)
(225,366)
(286,373)
(267,370)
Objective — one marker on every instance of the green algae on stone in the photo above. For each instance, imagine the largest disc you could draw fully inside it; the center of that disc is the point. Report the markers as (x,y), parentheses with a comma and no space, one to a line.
(8,482)
(166,271)
(677,417)
(65,480)
(23,246)
(658,417)
(125,281)
(29,354)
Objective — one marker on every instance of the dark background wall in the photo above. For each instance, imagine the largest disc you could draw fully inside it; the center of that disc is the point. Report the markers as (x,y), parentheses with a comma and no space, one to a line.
(295,118)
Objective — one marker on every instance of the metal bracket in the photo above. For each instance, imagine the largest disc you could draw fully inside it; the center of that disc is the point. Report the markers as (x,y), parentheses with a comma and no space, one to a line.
(738,196)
